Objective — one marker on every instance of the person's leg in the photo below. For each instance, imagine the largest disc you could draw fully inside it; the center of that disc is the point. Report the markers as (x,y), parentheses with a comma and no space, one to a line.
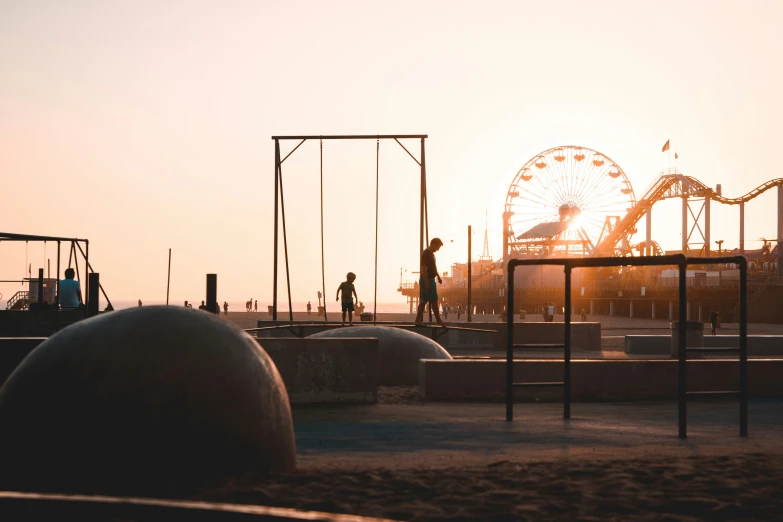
(420,311)
(350,318)
(436,311)
(343,317)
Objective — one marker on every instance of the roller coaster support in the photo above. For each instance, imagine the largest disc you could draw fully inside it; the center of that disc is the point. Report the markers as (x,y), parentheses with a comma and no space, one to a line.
(648,249)
(684,225)
(780,230)
(706,232)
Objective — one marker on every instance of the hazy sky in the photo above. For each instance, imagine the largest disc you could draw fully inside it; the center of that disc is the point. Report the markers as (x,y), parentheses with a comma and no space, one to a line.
(145,125)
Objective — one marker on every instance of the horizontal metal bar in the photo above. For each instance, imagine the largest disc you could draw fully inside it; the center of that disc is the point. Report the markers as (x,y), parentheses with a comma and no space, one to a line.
(529,346)
(537,384)
(716,260)
(9,236)
(708,393)
(353,137)
(675,259)
(713,349)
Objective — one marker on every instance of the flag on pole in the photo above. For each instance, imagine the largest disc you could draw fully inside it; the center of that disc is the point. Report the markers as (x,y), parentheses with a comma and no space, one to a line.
(676,156)
(665,146)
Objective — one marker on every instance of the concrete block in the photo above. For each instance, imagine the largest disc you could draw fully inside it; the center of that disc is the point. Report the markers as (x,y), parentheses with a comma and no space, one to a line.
(326,370)
(593,380)
(648,344)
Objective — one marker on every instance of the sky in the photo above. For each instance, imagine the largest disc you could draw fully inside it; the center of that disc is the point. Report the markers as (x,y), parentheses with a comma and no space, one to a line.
(146,125)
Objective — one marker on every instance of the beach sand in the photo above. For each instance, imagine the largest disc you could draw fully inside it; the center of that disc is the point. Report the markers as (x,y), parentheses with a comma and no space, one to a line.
(409,461)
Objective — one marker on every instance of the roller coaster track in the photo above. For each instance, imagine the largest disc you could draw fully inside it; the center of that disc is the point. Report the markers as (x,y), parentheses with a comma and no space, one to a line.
(667,186)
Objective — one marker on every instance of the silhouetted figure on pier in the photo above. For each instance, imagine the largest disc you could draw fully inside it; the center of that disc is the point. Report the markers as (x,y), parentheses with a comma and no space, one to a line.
(348,293)
(428,290)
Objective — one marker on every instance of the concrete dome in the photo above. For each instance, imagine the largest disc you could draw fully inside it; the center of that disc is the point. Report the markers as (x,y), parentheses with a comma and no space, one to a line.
(145,397)
(400,351)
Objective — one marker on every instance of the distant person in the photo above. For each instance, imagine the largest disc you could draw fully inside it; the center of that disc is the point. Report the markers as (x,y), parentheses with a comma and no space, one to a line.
(188,305)
(348,294)
(309,308)
(255,305)
(70,297)
(428,290)
(139,302)
(714,320)
(551,312)
(583,314)
(225,307)
(203,306)
(445,311)
(545,311)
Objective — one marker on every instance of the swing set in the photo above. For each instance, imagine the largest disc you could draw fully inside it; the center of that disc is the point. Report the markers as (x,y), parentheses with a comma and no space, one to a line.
(76,250)
(280,201)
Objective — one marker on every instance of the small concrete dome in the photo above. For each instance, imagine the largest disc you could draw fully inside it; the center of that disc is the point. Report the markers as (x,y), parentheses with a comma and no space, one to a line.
(400,351)
(144,398)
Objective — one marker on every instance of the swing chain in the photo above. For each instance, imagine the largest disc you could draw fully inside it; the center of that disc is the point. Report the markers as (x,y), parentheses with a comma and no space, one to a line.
(323,263)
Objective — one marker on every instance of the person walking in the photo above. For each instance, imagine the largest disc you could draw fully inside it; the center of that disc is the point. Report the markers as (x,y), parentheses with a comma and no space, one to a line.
(714,321)
(459,311)
(225,307)
(309,308)
(446,311)
(428,291)
(255,305)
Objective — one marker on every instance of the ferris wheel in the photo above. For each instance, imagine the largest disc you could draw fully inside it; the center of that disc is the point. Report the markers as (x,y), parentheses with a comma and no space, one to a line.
(564,199)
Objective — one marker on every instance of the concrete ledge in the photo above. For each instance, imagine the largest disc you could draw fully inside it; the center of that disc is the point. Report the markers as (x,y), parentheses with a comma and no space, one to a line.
(326,370)
(758,345)
(593,380)
(584,336)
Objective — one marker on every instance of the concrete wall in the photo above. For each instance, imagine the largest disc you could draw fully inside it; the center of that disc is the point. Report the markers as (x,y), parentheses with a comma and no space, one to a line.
(584,336)
(593,380)
(326,370)
(758,345)
(313,370)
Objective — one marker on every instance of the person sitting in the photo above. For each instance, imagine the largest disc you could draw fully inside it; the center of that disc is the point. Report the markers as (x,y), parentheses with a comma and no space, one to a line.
(70,297)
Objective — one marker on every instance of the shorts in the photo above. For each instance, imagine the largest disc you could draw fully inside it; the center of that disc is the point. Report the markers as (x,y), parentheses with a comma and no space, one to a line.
(348,306)
(428,295)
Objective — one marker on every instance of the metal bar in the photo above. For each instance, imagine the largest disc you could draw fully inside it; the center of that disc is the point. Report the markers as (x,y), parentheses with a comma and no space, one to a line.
(470,270)
(682,367)
(89,267)
(685,225)
(92,307)
(168,280)
(674,259)
(713,349)
(538,385)
(285,246)
(743,289)
(57,303)
(40,285)
(10,236)
(286,157)
(87,274)
(567,339)
(510,345)
(424,188)
(274,266)
(409,152)
(212,292)
(711,393)
(742,228)
(540,346)
(353,137)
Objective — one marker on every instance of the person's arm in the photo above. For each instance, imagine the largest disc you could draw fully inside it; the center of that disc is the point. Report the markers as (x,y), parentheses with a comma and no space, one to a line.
(424,277)
(79,294)
(338,293)
(355,296)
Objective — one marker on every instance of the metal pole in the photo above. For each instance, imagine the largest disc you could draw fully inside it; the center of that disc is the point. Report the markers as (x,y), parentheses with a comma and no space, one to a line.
(285,245)
(92,308)
(86,271)
(470,272)
(567,347)
(274,268)
(510,346)
(707,226)
(424,189)
(743,288)
(742,228)
(40,285)
(648,251)
(212,293)
(682,368)
(685,225)
(168,280)
(780,231)
(421,203)
(57,303)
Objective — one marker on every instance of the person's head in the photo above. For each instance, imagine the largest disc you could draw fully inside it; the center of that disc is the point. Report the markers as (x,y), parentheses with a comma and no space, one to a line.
(69,273)
(202,303)
(186,303)
(351,277)
(435,244)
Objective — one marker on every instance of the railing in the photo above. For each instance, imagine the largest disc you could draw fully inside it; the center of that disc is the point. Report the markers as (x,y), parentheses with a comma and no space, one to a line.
(22,295)
(682,263)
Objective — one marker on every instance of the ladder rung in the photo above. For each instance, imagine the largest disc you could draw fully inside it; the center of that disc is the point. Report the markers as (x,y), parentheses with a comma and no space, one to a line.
(708,393)
(713,349)
(537,384)
(534,346)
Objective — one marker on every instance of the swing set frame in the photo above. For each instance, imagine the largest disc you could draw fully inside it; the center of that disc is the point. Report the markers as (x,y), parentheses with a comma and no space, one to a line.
(280,203)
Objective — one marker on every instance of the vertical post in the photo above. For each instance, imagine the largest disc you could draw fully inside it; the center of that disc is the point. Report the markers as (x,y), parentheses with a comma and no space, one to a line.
(743,288)
(780,230)
(212,293)
(40,285)
(424,189)
(567,350)
(707,226)
(285,244)
(274,268)
(168,280)
(92,307)
(86,272)
(648,250)
(742,228)
(57,302)
(421,199)
(684,225)
(470,274)
(510,346)
(682,368)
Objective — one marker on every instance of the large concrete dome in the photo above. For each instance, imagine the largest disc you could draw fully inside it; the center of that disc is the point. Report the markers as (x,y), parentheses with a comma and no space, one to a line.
(145,397)
(400,351)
